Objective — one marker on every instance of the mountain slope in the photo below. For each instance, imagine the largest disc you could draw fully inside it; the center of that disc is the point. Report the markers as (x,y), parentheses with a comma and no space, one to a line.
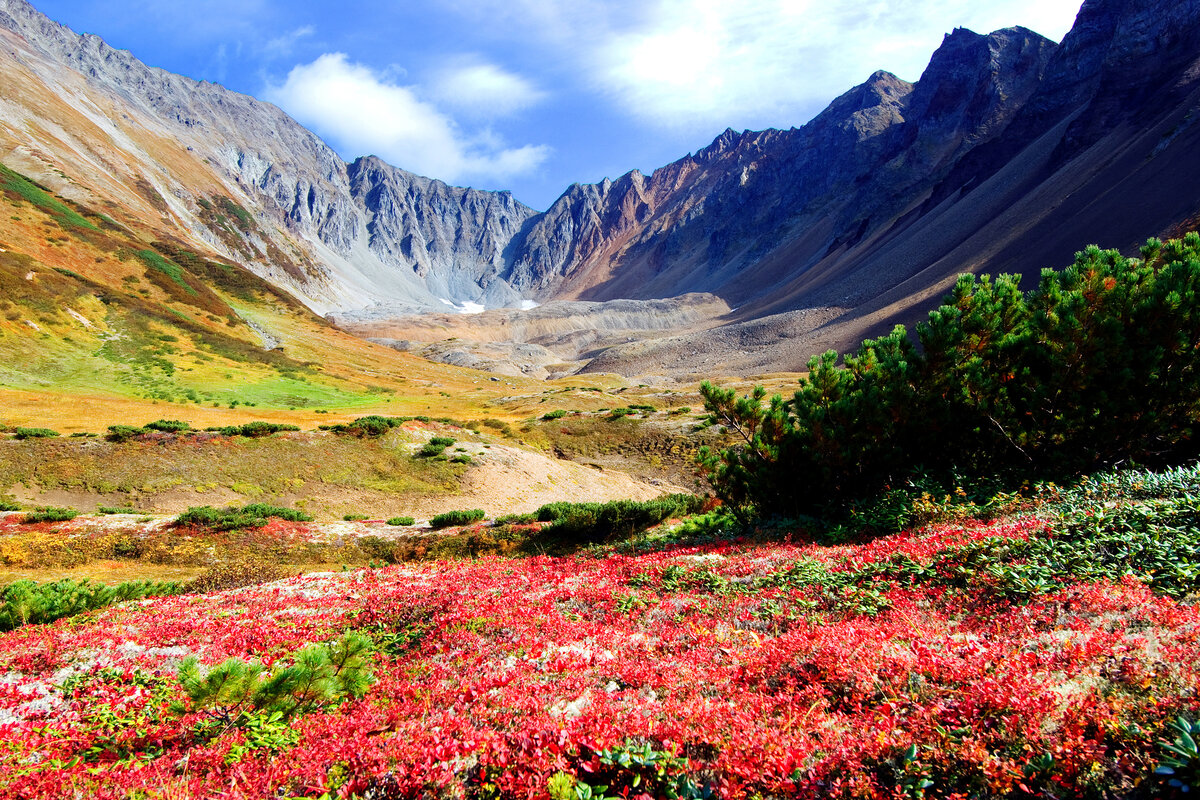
(1009,153)
(97,125)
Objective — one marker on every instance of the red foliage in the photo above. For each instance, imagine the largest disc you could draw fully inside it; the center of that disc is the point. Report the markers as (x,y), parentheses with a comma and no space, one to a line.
(508,671)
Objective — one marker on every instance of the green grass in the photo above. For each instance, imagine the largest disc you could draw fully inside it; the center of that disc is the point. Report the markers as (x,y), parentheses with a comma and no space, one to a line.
(155,260)
(26,189)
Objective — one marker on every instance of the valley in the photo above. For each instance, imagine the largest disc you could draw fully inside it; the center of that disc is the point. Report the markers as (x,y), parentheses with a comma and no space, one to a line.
(856,459)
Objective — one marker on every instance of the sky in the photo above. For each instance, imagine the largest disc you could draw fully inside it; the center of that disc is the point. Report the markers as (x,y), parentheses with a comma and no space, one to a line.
(534,95)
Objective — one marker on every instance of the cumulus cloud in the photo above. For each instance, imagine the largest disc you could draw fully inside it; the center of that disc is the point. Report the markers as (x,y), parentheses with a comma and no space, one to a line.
(482,90)
(362,111)
(707,63)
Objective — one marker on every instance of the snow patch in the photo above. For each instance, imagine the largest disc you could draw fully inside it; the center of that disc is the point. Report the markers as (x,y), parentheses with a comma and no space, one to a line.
(466,307)
(528,305)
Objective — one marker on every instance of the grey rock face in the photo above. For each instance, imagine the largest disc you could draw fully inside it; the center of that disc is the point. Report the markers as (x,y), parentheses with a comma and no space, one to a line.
(453,238)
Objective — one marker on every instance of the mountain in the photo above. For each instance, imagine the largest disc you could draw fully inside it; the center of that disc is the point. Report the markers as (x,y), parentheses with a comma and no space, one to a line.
(1009,153)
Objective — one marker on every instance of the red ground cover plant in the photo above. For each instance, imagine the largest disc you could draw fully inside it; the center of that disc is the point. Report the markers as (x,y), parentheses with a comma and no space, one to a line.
(738,670)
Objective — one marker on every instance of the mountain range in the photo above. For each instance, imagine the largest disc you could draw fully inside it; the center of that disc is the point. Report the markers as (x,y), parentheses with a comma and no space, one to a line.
(1010,153)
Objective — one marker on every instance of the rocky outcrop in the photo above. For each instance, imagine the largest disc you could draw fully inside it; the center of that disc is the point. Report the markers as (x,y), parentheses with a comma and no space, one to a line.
(452,238)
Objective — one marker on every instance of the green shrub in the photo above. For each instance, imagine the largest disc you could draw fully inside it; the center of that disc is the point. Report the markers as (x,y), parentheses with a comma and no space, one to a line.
(258,429)
(556,414)
(354,517)
(1097,366)
(35,433)
(168,426)
(123,433)
(114,510)
(236,691)
(29,603)
(254,515)
(517,519)
(401,521)
(436,447)
(457,518)
(461,458)
(49,514)
(8,505)
(586,523)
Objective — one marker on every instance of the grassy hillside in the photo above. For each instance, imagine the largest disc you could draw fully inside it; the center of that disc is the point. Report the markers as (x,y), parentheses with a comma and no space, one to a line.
(97,325)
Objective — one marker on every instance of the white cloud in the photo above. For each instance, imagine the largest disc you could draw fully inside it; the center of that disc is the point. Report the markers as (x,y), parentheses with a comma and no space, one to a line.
(705,64)
(484,91)
(364,112)
(282,46)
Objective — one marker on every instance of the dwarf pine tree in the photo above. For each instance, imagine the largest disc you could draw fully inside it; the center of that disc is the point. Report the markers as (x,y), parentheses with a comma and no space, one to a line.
(320,675)
(1096,367)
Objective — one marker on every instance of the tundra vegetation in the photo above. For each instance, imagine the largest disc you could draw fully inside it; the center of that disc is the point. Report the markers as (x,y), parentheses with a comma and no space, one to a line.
(962,567)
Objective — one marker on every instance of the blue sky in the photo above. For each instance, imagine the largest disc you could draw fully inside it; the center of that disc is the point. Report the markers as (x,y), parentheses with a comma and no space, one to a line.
(533,95)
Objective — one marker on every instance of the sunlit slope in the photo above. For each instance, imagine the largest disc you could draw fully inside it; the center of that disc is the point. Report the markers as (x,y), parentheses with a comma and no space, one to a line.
(96,321)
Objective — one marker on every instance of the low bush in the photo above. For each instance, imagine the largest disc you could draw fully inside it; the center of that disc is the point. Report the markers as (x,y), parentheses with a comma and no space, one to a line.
(8,505)
(436,447)
(401,521)
(372,426)
(465,517)
(29,603)
(256,429)
(49,514)
(115,510)
(588,523)
(556,414)
(168,426)
(354,517)
(123,433)
(35,433)
(254,515)
(517,519)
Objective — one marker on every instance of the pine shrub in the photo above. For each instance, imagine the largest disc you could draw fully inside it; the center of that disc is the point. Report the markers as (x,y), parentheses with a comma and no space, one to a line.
(1097,366)
(457,518)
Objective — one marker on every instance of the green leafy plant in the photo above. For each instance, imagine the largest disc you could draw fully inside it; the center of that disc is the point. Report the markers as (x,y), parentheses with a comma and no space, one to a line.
(35,433)
(27,602)
(401,521)
(1181,758)
(462,517)
(49,514)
